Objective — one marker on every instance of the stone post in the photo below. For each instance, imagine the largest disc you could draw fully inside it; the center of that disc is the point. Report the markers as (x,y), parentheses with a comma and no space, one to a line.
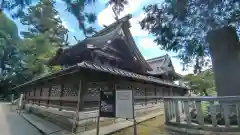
(225,53)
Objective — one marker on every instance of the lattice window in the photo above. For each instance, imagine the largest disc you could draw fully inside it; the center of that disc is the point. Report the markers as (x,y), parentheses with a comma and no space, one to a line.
(70,91)
(139,92)
(56,91)
(94,88)
(93,91)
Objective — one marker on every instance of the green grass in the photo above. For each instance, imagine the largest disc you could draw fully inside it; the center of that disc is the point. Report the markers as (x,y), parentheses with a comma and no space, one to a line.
(154,126)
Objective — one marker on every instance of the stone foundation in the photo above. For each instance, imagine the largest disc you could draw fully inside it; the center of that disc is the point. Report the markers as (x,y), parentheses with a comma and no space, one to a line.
(88,119)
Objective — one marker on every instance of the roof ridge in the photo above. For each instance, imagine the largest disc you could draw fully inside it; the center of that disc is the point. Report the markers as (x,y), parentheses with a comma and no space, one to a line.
(155,58)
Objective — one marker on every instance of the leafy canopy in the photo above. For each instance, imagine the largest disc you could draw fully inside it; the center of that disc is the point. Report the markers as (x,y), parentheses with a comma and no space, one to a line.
(181,25)
(9,52)
(201,83)
(45,34)
(42,18)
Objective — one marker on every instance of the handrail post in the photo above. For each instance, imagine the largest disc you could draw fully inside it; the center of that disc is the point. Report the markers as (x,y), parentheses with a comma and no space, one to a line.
(200,118)
(177,112)
(226,114)
(166,110)
(187,113)
(238,113)
(213,113)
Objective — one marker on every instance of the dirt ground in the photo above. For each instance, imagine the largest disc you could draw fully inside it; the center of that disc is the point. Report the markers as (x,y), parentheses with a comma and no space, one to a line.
(153,126)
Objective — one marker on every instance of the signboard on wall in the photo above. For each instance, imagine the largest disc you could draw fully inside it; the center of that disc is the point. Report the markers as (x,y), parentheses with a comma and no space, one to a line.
(107,104)
(124,104)
(117,103)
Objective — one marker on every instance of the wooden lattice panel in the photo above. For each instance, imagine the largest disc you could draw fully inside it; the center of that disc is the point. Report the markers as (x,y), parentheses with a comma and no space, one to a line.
(93,91)
(56,91)
(139,92)
(70,91)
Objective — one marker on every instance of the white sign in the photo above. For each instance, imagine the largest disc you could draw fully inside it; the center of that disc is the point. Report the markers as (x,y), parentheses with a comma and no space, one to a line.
(124,104)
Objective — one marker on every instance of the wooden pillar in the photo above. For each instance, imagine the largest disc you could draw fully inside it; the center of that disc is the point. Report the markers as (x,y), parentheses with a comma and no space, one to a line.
(49,95)
(79,86)
(145,91)
(28,96)
(84,89)
(34,94)
(40,95)
(155,94)
(61,95)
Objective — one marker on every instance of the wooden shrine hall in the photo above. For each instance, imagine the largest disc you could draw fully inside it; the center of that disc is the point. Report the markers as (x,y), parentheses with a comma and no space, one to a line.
(108,60)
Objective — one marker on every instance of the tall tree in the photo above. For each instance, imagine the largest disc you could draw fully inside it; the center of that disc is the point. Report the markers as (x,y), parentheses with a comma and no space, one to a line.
(77,8)
(42,18)
(16,8)
(45,34)
(182,26)
(9,52)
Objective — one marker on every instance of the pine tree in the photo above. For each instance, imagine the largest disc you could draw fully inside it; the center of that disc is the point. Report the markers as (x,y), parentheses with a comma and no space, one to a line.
(43,18)
(45,34)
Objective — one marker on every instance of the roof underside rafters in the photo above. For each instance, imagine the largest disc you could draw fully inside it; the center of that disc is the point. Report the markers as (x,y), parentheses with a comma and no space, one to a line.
(99,68)
(117,30)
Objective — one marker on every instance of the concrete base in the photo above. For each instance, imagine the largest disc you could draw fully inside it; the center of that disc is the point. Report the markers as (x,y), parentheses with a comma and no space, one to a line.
(178,130)
(65,119)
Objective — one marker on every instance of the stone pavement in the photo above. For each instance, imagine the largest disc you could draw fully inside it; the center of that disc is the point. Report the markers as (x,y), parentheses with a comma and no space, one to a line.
(12,123)
(45,127)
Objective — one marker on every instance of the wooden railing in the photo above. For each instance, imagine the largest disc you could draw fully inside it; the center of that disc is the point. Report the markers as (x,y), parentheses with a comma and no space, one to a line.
(207,113)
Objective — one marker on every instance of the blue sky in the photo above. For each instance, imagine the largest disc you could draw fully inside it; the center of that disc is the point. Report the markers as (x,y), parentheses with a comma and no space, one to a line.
(105,16)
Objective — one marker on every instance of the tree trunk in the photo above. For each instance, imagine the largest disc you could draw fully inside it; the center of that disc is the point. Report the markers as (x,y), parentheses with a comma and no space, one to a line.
(205,92)
(225,53)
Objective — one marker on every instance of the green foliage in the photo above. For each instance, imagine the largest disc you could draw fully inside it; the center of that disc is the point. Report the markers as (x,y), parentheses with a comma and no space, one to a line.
(42,18)
(45,34)
(8,26)
(9,52)
(181,25)
(24,59)
(201,83)
(75,7)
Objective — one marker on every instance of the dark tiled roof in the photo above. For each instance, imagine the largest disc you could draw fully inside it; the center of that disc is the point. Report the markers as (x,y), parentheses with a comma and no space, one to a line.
(100,68)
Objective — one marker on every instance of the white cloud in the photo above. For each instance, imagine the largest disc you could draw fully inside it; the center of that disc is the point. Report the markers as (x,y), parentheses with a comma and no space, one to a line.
(178,67)
(136,28)
(147,43)
(60,1)
(67,26)
(106,17)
